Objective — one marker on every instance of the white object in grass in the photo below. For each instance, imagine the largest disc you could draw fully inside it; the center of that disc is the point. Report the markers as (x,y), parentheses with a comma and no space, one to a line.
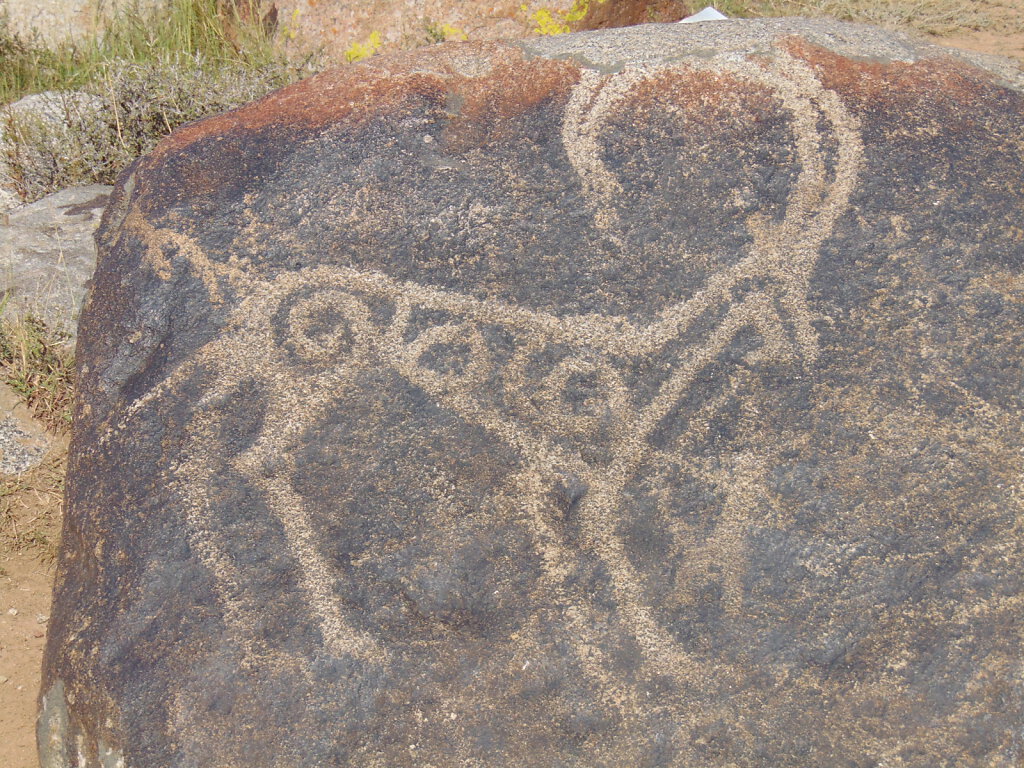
(708,14)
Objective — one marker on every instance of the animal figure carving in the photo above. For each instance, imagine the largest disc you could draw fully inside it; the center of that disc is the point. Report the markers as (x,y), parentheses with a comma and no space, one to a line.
(563,403)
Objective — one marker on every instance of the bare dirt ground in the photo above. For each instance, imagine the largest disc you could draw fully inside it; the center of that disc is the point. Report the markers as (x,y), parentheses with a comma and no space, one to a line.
(30,506)
(24,611)
(1003,36)
(33,501)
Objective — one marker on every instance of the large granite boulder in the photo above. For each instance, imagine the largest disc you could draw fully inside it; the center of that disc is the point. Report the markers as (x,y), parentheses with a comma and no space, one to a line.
(641,398)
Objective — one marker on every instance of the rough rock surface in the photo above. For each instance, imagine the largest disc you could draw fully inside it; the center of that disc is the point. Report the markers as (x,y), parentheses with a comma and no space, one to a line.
(47,254)
(641,398)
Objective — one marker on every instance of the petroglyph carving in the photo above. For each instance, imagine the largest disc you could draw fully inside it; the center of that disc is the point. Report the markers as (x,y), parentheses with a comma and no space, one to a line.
(332,334)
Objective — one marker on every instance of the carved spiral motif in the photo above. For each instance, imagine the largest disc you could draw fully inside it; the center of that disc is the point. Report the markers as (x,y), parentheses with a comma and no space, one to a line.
(575,393)
(327,326)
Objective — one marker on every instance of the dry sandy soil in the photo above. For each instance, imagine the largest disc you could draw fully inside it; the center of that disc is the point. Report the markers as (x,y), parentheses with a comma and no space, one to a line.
(24,610)
(29,529)
(1003,36)
(26,569)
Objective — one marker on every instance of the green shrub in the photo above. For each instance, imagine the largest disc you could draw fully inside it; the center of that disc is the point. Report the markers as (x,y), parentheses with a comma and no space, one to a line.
(140,103)
(218,32)
(150,74)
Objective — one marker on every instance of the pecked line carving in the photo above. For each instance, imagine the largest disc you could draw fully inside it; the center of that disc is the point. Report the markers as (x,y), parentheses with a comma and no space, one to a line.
(332,331)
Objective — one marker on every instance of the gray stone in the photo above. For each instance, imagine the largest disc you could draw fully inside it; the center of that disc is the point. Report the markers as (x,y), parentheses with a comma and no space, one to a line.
(641,398)
(8,199)
(47,254)
(53,107)
(23,440)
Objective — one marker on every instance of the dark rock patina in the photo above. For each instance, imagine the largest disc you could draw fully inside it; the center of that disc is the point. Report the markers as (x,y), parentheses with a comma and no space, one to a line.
(642,398)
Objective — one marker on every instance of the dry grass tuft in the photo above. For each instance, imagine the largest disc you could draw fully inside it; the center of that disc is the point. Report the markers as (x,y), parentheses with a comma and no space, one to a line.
(30,506)
(38,363)
(113,98)
(89,141)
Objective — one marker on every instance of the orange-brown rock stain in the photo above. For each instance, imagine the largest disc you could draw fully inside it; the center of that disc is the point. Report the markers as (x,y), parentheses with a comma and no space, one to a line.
(492,82)
(944,88)
(701,98)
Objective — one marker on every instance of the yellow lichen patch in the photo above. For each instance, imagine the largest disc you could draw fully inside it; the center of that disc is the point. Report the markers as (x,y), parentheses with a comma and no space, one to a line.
(444,32)
(359,51)
(548,22)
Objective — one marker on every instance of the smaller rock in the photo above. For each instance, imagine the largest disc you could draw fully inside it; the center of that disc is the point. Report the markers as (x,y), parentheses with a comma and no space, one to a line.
(23,440)
(4,679)
(12,611)
(47,254)
(53,107)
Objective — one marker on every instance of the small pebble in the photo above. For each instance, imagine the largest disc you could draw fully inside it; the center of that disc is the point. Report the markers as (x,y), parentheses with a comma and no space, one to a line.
(12,611)
(4,679)
(40,619)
